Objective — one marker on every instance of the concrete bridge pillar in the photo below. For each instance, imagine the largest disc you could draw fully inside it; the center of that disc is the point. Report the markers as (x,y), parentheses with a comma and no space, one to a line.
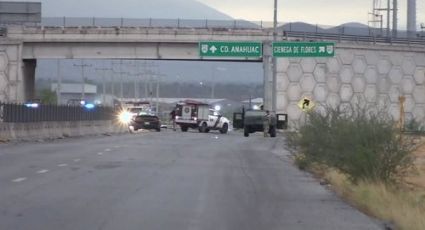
(268,76)
(357,75)
(17,76)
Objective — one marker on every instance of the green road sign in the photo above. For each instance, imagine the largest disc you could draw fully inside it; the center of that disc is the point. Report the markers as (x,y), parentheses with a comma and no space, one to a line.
(303,49)
(230,49)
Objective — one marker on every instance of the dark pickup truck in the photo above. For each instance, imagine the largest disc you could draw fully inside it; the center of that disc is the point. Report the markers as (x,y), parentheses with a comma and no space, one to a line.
(146,121)
(252,121)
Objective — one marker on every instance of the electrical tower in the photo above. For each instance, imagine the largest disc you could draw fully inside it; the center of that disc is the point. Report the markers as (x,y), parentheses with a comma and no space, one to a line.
(381,8)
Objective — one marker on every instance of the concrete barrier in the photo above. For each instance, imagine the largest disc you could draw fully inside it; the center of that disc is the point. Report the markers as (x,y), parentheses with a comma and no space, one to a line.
(52,130)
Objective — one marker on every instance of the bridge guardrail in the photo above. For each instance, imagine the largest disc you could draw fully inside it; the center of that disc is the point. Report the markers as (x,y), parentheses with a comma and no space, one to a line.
(309,36)
(148,22)
(360,33)
(21,113)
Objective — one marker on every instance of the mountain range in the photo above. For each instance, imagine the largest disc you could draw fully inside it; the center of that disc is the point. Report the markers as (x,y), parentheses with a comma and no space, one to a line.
(173,9)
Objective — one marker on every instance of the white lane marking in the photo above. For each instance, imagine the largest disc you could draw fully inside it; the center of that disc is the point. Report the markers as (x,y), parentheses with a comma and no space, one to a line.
(117,146)
(100,154)
(42,171)
(62,165)
(107,150)
(17,180)
(77,160)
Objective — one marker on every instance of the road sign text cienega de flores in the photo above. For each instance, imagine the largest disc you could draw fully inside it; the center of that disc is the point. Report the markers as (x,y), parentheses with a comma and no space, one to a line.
(303,49)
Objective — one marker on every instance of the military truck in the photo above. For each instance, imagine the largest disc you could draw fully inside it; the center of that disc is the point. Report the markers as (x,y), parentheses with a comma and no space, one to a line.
(252,121)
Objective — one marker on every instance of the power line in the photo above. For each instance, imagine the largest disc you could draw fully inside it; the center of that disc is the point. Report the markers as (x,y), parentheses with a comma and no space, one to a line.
(83,66)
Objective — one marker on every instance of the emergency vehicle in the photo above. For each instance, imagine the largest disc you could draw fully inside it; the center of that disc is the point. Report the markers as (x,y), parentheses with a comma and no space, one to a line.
(198,115)
(130,109)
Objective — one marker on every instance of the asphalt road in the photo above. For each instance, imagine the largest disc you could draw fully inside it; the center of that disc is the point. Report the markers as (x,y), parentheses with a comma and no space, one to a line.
(165,181)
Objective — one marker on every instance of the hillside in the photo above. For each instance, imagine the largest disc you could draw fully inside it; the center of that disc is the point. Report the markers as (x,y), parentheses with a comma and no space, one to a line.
(189,9)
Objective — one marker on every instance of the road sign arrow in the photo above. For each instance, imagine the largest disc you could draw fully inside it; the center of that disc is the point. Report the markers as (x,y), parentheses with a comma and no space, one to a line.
(306,104)
(213,49)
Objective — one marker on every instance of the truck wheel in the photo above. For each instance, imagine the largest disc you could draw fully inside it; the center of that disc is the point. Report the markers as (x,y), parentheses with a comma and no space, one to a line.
(272,131)
(224,129)
(246,131)
(203,128)
(184,128)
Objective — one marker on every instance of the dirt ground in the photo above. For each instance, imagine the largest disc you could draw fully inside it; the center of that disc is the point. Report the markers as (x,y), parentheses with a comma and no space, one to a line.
(419,177)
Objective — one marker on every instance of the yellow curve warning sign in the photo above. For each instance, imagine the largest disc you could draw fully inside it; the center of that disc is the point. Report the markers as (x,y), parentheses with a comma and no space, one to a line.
(306,104)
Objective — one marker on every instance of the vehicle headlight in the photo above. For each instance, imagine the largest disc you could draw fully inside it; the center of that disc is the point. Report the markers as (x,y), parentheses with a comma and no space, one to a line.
(125,117)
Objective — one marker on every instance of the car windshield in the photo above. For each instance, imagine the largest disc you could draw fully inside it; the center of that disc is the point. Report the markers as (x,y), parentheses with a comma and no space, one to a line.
(136,110)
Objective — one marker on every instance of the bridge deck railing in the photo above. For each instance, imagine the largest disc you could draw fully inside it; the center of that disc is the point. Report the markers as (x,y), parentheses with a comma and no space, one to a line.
(350,32)
(345,29)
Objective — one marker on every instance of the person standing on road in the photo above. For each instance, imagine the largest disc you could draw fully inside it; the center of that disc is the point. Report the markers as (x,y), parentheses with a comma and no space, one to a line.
(173,118)
(266,123)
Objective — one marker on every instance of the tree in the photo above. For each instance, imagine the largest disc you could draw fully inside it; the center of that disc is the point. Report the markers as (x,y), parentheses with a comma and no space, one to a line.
(48,97)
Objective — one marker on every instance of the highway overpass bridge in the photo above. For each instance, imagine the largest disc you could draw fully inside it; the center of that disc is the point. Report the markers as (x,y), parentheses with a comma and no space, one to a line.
(365,69)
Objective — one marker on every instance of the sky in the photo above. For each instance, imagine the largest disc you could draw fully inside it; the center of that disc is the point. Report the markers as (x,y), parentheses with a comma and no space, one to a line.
(325,12)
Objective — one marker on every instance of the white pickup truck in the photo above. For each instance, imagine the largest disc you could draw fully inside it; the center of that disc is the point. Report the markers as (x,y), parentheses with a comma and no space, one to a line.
(199,116)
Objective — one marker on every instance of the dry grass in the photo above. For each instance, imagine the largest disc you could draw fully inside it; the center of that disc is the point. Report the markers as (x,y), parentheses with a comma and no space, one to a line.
(401,206)
(417,179)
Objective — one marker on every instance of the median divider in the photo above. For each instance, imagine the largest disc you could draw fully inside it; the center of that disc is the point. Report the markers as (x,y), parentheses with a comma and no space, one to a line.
(54,130)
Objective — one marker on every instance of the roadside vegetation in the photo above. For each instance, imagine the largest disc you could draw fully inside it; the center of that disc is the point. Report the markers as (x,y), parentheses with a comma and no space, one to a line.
(366,160)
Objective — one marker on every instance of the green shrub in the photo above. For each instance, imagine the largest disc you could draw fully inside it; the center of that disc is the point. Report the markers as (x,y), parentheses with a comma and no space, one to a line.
(414,126)
(363,145)
(301,161)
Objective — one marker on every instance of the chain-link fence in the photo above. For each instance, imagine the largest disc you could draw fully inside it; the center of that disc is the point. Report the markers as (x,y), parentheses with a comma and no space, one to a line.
(40,113)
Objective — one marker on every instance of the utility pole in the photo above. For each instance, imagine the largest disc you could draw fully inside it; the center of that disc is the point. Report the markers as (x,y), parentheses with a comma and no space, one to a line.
(120,72)
(136,84)
(158,81)
(147,75)
(83,87)
(157,96)
(112,78)
(178,86)
(135,76)
(214,69)
(388,17)
(395,19)
(376,12)
(103,82)
(59,85)
(274,61)
(121,81)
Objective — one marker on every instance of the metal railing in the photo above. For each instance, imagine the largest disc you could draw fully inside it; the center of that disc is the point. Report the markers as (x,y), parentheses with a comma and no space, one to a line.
(359,30)
(149,23)
(299,30)
(42,113)
(309,36)
(305,31)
